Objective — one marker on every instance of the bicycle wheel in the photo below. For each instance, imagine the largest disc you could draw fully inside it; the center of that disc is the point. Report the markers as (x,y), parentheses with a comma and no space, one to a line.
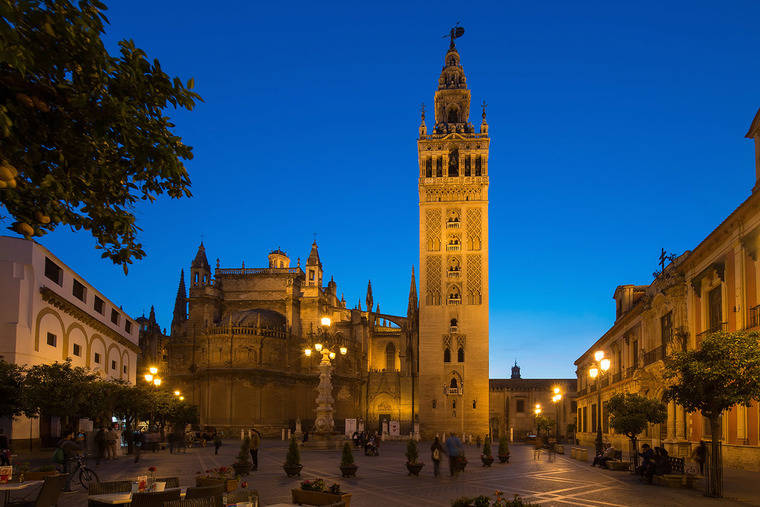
(87,476)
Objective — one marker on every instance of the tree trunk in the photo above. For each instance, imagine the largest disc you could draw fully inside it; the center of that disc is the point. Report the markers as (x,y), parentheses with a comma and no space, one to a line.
(714,481)
(635,447)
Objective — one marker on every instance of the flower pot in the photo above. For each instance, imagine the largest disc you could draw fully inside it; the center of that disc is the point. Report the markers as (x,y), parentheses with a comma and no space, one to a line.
(229,484)
(487,460)
(503,458)
(348,470)
(242,468)
(293,470)
(414,468)
(306,497)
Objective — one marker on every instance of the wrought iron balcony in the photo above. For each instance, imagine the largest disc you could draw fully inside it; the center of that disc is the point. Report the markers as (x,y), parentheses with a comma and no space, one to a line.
(715,329)
(616,377)
(654,355)
(754,316)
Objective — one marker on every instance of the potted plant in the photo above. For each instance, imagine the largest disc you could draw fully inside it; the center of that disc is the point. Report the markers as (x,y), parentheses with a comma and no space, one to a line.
(487,456)
(503,450)
(293,464)
(347,466)
(214,476)
(243,464)
(316,492)
(412,455)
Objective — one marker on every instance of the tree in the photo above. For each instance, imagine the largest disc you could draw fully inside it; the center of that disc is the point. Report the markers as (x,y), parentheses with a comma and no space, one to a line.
(724,371)
(83,134)
(58,389)
(544,424)
(630,414)
(11,379)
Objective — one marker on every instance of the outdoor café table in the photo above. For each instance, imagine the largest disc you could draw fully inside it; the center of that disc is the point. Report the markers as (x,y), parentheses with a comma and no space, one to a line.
(120,498)
(15,486)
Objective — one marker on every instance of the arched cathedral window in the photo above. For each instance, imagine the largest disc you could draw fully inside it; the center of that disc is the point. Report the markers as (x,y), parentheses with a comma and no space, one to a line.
(390,357)
(447,356)
(454,163)
(460,355)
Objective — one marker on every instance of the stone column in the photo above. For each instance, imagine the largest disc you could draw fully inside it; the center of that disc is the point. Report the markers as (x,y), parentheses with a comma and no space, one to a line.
(324,422)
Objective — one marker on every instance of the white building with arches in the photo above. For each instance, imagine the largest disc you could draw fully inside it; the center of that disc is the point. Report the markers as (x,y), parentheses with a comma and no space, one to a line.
(51,313)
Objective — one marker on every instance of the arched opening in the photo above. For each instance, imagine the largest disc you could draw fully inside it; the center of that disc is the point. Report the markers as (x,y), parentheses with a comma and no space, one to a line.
(447,356)
(452,116)
(460,355)
(454,163)
(453,384)
(453,323)
(390,357)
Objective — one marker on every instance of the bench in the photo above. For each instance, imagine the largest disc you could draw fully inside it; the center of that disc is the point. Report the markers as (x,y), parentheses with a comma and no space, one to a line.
(619,466)
(676,478)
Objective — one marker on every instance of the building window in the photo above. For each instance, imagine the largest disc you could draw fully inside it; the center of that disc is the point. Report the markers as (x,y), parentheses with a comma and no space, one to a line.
(453,384)
(79,291)
(124,368)
(574,406)
(114,316)
(593,418)
(478,166)
(435,403)
(311,274)
(635,353)
(77,350)
(454,163)
(127,326)
(520,406)
(666,329)
(447,356)
(113,365)
(467,166)
(460,355)
(98,305)
(97,358)
(429,168)
(474,404)
(53,271)
(585,419)
(390,357)
(439,167)
(52,339)
(715,309)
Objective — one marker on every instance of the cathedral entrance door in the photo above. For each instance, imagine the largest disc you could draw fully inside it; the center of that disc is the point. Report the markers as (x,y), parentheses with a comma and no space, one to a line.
(384,418)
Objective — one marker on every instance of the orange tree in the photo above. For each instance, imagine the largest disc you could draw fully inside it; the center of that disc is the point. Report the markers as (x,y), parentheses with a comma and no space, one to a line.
(724,371)
(631,413)
(83,133)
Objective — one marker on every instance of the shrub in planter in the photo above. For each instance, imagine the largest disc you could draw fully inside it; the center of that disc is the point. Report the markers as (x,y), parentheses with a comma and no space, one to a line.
(293,464)
(317,493)
(487,456)
(412,456)
(503,450)
(243,463)
(347,466)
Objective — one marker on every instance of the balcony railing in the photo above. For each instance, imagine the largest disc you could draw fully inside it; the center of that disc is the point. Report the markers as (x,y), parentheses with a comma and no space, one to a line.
(452,273)
(617,377)
(715,329)
(654,355)
(452,225)
(453,248)
(754,316)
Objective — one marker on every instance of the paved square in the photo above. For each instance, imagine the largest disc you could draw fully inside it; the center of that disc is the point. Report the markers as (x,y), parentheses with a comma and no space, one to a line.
(382,480)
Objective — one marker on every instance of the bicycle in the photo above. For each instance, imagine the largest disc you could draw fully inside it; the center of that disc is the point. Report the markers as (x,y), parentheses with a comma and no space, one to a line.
(86,475)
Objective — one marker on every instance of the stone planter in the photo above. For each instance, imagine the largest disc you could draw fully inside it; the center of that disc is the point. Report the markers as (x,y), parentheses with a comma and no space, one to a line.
(487,460)
(229,484)
(242,468)
(293,470)
(348,470)
(503,458)
(302,496)
(414,468)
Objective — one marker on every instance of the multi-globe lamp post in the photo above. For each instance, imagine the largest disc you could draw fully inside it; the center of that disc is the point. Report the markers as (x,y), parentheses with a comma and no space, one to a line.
(556,399)
(326,345)
(597,370)
(152,376)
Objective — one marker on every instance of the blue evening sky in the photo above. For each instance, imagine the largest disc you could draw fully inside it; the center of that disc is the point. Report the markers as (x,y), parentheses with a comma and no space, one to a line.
(617,129)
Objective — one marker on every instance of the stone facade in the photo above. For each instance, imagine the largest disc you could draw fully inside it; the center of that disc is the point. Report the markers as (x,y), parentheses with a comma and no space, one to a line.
(714,287)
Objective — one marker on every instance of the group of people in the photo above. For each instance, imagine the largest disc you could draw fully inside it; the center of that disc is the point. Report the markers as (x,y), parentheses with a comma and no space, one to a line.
(370,442)
(655,462)
(453,447)
(108,443)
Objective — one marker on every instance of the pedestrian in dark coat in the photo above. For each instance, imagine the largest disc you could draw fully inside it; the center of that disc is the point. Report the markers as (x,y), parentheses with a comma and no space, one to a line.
(436,454)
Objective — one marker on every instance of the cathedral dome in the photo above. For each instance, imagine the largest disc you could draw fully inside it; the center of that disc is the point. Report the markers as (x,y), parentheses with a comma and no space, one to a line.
(252,318)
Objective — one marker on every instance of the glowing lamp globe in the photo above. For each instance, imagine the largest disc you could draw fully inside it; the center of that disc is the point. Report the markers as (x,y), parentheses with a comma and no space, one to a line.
(157,381)
(153,370)
(307,352)
(605,364)
(326,321)
(593,372)
(148,377)
(598,355)
(317,347)
(343,351)
(332,355)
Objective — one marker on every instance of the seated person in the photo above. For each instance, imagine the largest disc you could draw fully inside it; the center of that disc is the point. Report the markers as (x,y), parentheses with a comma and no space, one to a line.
(603,458)
(647,467)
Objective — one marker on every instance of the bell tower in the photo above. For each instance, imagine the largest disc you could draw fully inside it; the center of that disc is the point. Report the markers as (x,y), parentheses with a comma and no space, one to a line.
(453,305)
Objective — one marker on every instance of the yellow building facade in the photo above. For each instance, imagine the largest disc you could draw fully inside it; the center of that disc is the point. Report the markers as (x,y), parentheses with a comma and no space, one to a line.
(715,286)
(453,314)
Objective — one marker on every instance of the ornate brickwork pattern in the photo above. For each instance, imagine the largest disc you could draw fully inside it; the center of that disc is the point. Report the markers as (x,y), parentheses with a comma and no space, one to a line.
(433,229)
(473,229)
(473,279)
(433,272)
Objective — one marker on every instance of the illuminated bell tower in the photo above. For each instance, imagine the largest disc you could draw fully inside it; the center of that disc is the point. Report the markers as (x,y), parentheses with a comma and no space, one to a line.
(453,314)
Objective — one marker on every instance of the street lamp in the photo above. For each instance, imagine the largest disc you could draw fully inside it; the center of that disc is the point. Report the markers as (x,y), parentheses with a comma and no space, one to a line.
(325,346)
(556,399)
(153,370)
(597,370)
(177,393)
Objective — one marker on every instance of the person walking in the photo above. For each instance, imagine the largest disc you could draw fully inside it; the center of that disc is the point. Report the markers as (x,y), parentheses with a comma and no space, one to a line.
(100,444)
(436,452)
(70,450)
(5,449)
(217,442)
(699,454)
(255,443)
(139,440)
(453,449)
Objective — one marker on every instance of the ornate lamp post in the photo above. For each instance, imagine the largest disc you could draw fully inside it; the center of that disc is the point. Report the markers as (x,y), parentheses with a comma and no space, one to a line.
(325,345)
(537,412)
(556,399)
(597,370)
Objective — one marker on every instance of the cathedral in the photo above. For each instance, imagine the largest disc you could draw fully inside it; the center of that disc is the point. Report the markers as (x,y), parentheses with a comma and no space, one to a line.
(239,334)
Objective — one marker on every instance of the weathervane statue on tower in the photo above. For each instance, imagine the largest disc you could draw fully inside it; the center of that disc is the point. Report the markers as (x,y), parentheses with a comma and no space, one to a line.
(455,32)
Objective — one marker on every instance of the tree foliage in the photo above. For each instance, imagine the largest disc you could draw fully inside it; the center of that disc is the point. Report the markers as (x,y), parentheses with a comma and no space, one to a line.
(83,134)
(724,371)
(544,424)
(630,413)
(58,389)
(11,379)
